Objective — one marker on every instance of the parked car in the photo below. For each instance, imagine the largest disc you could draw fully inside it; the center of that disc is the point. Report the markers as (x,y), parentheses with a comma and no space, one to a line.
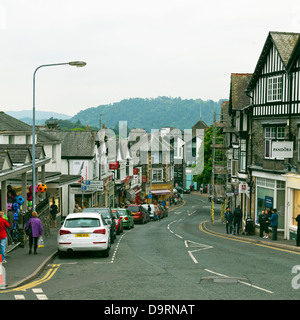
(108,217)
(165,211)
(186,190)
(160,211)
(127,218)
(216,199)
(151,213)
(84,232)
(139,213)
(118,221)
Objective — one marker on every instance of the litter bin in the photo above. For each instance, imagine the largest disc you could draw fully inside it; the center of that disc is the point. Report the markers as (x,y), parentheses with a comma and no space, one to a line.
(249,229)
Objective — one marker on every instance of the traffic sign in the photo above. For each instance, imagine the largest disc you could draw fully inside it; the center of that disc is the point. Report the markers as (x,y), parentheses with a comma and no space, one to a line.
(92,185)
(97,183)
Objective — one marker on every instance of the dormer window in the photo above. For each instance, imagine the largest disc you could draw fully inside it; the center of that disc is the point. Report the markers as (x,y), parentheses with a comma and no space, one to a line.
(275,89)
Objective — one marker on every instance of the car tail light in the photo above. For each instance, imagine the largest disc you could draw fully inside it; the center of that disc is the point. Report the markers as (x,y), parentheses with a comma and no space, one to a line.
(62,232)
(102,231)
(125,218)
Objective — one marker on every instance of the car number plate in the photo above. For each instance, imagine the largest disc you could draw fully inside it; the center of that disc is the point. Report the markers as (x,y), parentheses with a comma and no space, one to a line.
(81,235)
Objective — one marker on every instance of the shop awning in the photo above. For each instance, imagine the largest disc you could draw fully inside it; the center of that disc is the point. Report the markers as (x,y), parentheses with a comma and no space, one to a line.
(158,192)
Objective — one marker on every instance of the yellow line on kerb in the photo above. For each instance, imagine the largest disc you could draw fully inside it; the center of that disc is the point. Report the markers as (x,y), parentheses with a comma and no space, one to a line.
(244,241)
(50,273)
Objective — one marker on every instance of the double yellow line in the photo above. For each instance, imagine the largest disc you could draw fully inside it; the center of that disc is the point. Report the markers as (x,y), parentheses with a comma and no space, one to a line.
(203,229)
(50,273)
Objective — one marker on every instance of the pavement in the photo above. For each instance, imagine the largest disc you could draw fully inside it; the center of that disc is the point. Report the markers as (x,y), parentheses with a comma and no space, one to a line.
(22,267)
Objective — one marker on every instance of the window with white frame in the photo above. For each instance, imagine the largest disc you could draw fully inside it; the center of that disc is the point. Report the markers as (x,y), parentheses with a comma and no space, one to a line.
(274,89)
(157,175)
(272,134)
(242,155)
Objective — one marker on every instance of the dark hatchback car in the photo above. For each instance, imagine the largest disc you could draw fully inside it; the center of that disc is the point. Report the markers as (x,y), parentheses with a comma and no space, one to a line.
(139,213)
(109,219)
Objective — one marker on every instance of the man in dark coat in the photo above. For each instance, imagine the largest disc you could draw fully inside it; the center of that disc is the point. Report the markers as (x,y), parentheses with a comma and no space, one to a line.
(274,223)
(237,217)
(228,220)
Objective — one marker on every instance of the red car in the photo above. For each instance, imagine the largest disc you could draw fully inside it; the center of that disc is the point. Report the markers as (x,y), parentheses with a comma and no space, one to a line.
(118,220)
(139,213)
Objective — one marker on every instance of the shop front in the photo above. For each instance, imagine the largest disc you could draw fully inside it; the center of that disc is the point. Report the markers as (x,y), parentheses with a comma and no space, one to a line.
(270,193)
(293,205)
(162,192)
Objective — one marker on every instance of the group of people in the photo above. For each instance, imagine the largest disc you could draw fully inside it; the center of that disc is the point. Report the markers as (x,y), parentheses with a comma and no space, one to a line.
(233,220)
(268,218)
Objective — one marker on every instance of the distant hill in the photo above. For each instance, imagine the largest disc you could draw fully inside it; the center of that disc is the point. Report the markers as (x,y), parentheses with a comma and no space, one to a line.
(40,116)
(152,113)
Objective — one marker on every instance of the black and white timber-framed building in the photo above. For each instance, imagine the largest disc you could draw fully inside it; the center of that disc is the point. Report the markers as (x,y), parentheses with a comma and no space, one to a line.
(274,130)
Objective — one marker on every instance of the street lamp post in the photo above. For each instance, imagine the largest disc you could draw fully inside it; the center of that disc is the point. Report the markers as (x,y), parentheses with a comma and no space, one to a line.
(72,63)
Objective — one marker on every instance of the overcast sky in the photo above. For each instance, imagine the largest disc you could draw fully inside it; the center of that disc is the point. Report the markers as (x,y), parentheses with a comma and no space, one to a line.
(133,48)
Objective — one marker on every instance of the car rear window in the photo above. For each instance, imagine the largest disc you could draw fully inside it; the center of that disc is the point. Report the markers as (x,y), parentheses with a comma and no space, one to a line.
(82,223)
(133,208)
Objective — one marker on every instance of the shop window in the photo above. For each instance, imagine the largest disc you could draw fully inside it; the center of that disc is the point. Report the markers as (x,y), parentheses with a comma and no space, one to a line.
(296,210)
(271,134)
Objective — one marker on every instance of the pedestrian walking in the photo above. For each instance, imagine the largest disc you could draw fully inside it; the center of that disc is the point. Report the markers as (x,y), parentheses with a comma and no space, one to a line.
(53,213)
(228,220)
(298,231)
(237,217)
(261,223)
(266,223)
(36,230)
(274,223)
(4,225)
(77,208)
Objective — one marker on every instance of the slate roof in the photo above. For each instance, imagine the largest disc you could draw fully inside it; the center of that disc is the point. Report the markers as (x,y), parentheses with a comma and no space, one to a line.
(19,153)
(238,84)
(8,123)
(75,144)
(285,43)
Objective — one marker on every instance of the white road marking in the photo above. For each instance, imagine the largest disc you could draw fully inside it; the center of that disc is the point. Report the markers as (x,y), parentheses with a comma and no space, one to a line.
(242,282)
(42,297)
(177,235)
(19,297)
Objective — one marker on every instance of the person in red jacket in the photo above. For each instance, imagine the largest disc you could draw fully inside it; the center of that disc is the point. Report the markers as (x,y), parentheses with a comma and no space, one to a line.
(3,235)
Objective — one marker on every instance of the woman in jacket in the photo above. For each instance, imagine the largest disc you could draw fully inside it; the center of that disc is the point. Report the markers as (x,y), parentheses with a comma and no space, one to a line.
(36,231)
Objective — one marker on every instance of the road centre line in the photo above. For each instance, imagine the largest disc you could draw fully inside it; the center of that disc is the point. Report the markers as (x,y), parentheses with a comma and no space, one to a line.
(239,281)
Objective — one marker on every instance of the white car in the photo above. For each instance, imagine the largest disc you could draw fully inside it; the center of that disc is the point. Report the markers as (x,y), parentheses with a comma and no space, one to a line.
(151,213)
(84,232)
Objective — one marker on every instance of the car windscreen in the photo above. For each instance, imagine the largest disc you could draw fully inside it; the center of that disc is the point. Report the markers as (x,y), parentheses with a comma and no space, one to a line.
(133,208)
(105,213)
(82,223)
(122,212)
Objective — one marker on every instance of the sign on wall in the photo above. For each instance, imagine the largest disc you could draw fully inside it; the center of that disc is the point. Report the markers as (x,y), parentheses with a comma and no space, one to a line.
(282,149)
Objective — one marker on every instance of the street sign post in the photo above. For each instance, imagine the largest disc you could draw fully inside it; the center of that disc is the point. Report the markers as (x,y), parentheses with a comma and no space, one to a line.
(92,185)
